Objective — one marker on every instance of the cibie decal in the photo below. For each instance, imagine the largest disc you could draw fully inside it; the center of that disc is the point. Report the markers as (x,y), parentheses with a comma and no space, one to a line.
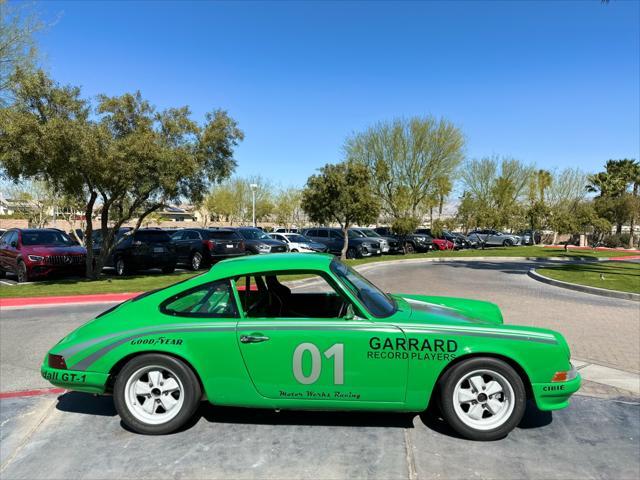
(412,348)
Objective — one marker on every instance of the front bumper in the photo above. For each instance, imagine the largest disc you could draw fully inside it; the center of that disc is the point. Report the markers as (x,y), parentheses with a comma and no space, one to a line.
(553,396)
(90,382)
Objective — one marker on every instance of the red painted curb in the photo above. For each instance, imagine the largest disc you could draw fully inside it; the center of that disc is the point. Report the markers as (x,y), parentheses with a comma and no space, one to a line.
(575,247)
(98,298)
(628,257)
(32,393)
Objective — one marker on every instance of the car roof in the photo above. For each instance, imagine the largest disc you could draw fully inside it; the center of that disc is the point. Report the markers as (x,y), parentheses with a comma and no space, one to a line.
(272,262)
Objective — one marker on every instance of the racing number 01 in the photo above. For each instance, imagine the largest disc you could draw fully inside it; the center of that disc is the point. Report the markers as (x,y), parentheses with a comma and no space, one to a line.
(336,351)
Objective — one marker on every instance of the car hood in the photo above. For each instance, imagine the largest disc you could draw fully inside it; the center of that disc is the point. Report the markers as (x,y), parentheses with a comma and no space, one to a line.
(44,250)
(448,310)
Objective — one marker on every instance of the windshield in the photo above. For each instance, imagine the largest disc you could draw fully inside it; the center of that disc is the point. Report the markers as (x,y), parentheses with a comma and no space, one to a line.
(378,304)
(254,234)
(46,237)
(370,233)
(297,238)
(152,236)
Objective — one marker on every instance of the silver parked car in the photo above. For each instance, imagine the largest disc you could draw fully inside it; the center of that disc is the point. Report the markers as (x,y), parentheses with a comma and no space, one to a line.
(493,238)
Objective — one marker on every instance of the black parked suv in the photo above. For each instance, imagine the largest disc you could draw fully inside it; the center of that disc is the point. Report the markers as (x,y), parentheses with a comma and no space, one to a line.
(257,242)
(334,240)
(412,242)
(146,248)
(196,247)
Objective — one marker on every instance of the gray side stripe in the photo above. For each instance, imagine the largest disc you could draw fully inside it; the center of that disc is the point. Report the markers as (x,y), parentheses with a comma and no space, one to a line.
(83,364)
(489,335)
(86,362)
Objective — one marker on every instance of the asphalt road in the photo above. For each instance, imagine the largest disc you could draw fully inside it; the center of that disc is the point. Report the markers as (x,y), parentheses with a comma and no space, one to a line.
(80,436)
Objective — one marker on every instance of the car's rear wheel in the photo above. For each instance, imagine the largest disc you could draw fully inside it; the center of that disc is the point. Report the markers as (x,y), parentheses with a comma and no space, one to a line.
(351,253)
(483,398)
(22,273)
(196,261)
(156,394)
(507,243)
(409,248)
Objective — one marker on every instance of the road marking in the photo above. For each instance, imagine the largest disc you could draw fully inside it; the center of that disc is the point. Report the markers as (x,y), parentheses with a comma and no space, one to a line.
(32,393)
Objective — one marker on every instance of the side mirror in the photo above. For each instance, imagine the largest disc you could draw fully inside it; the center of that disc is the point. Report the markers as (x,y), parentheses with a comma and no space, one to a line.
(14,244)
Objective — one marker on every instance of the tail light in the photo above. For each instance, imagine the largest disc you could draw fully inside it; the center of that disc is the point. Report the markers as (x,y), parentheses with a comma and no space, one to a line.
(210,244)
(57,361)
(241,244)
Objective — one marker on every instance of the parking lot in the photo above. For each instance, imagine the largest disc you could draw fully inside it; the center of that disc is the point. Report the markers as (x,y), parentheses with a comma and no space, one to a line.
(78,435)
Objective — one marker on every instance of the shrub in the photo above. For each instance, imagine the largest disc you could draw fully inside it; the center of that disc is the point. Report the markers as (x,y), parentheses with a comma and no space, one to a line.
(613,241)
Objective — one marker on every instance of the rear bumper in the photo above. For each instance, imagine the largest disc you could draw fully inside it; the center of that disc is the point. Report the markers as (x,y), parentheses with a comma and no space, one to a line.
(90,382)
(553,396)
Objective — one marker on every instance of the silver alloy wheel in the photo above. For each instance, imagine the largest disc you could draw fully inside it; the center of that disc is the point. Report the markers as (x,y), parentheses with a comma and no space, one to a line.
(154,395)
(483,399)
(196,260)
(120,267)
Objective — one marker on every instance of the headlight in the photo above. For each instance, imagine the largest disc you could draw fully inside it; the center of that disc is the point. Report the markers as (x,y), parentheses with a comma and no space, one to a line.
(421,239)
(264,247)
(35,258)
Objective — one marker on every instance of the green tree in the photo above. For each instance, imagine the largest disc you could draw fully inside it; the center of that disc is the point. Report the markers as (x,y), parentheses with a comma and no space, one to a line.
(341,193)
(288,207)
(616,199)
(18,24)
(494,189)
(123,155)
(407,159)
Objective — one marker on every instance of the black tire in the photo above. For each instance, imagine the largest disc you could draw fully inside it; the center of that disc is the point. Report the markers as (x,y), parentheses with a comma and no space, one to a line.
(22,272)
(295,250)
(457,373)
(195,261)
(507,243)
(409,248)
(169,269)
(122,269)
(351,253)
(2,273)
(192,394)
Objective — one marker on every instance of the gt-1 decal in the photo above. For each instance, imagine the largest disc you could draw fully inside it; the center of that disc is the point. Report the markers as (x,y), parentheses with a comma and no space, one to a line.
(412,348)
(65,377)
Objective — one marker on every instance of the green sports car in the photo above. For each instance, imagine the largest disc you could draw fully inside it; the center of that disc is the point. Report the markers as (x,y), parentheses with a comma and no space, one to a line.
(305,331)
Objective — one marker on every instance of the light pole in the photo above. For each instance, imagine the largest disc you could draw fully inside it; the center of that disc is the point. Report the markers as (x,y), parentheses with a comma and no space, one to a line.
(253,195)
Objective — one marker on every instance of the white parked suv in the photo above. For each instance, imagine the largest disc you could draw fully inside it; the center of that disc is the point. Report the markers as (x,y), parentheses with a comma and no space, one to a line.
(299,243)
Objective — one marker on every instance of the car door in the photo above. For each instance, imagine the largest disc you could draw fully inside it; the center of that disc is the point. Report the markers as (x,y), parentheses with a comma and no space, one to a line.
(319,358)
(178,242)
(3,248)
(11,251)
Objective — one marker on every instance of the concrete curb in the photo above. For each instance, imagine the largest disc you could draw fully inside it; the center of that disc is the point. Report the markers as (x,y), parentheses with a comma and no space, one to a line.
(603,292)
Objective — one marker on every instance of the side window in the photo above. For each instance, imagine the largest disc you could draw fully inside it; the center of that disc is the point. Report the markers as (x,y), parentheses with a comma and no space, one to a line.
(275,295)
(212,300)
(322,233)
(177,236)
(335,235)
(13,237)
(312,233)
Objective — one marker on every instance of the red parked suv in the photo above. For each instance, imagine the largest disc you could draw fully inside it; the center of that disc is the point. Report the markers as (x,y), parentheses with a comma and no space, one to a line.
(37,253)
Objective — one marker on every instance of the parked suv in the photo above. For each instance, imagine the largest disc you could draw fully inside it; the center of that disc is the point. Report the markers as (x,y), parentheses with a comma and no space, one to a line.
(334,240)
(257,242)
(203,246)
(146,248)
(38,253)
(493,238)
(411,243)
(387,244)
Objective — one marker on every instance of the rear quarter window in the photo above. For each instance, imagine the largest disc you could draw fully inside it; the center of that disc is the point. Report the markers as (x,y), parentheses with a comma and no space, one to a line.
(224,235)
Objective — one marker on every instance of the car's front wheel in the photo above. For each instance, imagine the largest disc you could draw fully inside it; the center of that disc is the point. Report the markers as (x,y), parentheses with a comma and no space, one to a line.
(483,398)
(156,394)
(508,243)
(22,272)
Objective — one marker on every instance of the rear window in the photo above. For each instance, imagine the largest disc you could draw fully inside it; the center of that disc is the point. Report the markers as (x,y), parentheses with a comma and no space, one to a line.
(224,234)
(152,236)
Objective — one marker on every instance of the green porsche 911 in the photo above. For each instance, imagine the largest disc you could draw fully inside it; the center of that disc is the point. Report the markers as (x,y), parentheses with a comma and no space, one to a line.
(251,333)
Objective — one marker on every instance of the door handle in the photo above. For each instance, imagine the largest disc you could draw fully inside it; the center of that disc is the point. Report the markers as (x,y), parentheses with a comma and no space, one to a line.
(253,338)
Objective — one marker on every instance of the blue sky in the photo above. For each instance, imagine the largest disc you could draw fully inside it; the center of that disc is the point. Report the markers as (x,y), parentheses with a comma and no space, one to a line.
(551,83)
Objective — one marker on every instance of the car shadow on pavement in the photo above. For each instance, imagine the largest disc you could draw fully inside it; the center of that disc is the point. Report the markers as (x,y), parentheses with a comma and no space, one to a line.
(532,418)
(217,414)
(87,404)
